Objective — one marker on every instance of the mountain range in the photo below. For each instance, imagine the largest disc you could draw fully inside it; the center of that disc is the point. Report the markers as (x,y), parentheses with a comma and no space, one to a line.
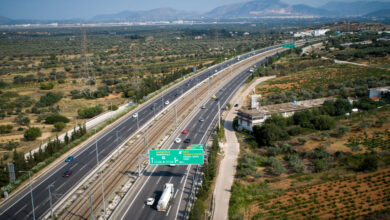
(250,9)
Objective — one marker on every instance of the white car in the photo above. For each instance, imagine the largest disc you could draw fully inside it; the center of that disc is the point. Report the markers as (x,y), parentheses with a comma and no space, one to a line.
(177,140)
(166,102)
(203,107)
(135,115)
(150,201)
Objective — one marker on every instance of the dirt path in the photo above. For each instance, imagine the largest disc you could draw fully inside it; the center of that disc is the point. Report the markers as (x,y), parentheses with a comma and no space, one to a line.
(231,150)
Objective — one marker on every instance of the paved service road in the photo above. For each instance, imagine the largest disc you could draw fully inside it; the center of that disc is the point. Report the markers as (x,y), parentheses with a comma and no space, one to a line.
(19,206)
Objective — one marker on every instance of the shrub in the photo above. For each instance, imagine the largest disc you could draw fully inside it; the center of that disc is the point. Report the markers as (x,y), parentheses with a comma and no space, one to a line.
(295,162)
(277,167)
(54,118)
(59,126)
(370,163)
(32,133)
(22,120)
(267,134)
(47,86)
(49,99)
(5,129)
(323,122)
(342,129)
(90,112)
(302,140)
(112,108)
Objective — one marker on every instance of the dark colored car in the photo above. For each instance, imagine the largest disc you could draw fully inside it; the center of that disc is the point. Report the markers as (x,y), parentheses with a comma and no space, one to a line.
(67,173)
(187,140)
(236,105)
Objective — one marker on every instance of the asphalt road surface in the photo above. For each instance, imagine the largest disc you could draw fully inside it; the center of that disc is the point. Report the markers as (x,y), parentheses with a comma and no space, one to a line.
(19,207)
(181,176)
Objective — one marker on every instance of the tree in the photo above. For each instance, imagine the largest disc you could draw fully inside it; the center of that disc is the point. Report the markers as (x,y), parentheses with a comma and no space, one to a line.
(323,122)
(32,133)
(267,134)
(370,163)
(342,129)
(59,126)
(54,118)
(276,166)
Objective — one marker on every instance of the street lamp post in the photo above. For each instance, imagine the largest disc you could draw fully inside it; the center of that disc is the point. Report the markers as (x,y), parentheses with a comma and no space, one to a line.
(137,121)
(51,203)
(32,197)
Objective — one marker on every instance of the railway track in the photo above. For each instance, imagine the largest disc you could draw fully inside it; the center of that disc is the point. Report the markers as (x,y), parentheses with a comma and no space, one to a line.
(116,171)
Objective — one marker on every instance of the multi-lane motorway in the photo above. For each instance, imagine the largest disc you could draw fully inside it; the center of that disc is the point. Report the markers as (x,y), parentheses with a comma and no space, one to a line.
(180,176)
(19,206)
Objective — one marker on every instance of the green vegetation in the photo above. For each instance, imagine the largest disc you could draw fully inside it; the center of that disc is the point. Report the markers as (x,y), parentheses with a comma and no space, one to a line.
(90,112)
(54,118)
(32,133)
(209,173)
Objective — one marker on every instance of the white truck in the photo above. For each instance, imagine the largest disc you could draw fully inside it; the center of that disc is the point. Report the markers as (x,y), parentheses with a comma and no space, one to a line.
(166,196)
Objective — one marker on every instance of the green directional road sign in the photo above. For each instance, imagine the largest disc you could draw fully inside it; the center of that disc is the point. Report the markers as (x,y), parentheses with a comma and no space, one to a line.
(292,45)
(178,157)
(196,146)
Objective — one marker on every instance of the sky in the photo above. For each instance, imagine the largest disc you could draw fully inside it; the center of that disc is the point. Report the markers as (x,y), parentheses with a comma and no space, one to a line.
(84,9)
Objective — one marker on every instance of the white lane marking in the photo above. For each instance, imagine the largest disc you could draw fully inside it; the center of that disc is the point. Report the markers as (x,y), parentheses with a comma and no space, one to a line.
(143,206)
(21,209)
(158,179)
(73,166)
(182,179)
(181,194)
(108,139)
(85,165)
(92,151)
(175,193)
(139,191)
(169,210)
(170,179)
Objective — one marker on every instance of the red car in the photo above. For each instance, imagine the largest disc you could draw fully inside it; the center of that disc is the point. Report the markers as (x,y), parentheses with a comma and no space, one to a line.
(184,131)
(67,173)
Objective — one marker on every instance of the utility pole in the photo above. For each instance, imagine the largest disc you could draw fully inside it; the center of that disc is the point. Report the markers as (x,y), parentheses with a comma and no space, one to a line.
(31,192)
(51,203)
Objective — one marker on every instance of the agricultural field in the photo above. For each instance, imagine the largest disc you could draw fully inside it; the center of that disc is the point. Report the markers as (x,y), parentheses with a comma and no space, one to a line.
(350,197)
(320,163)
(44,72)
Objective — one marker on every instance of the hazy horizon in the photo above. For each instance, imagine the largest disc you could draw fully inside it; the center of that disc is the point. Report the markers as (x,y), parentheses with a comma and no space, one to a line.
(85,9)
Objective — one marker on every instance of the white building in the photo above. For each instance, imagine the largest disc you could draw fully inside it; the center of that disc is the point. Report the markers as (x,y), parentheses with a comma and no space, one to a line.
(320,32)
(247,118)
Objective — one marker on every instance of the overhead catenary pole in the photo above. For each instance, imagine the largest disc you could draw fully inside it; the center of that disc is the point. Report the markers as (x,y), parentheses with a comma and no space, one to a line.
(176,114)
(90,203)
(104,202)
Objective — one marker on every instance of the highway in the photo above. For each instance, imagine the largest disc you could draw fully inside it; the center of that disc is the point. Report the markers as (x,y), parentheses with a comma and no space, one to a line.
(19,206)
(180,176)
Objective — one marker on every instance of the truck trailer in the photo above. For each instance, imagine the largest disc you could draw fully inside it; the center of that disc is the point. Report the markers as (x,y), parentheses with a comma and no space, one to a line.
(165,198)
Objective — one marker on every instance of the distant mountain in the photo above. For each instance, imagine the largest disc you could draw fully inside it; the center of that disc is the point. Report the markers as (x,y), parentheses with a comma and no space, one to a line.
(5,20)
(260,8)
(357,8)
(158,14)
(384,13)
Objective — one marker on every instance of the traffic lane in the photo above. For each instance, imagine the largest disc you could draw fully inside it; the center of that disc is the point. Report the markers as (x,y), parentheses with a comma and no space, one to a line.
(162,175)
(197,138)
(133,127)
